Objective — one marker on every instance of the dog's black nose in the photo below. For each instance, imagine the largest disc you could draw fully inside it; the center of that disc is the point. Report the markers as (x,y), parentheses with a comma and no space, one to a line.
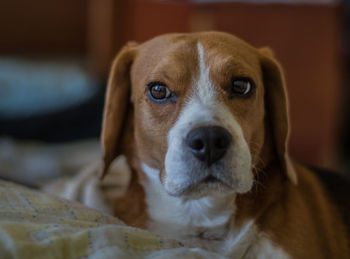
(209,143)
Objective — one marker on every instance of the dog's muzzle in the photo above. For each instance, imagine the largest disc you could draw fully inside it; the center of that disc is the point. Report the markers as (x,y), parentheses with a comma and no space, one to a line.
(208,144)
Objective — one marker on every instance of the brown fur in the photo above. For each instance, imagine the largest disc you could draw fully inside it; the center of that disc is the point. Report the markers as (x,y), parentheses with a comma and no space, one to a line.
(131,207)
(302,220)
(287,201)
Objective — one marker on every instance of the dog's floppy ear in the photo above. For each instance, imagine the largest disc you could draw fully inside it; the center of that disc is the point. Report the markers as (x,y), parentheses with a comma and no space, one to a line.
(276,105)
(117,105)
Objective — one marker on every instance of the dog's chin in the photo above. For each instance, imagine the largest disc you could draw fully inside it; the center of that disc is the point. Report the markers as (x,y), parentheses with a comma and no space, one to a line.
(209,186)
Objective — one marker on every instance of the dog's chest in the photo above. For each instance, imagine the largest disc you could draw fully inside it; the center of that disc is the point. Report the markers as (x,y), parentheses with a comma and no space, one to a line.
(219,237)
(196,223)
(206,223)
(202,224)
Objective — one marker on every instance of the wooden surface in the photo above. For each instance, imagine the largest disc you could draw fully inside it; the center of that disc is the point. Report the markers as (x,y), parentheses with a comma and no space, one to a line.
(40,26)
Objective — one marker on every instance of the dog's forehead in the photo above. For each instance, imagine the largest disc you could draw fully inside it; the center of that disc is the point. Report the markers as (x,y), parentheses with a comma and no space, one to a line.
(211,40)
(182,50)
(172,53)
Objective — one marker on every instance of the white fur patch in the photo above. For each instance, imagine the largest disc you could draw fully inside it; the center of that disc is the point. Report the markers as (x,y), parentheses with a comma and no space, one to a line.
(185,219)
(205,89)
(247,242)
(203,212)
(264,248)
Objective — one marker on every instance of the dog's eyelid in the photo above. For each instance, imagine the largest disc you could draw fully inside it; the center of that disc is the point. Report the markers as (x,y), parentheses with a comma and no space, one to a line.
(156,82)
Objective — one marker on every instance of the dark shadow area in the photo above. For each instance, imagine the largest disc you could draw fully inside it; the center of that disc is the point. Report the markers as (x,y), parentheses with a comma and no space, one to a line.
(344,136)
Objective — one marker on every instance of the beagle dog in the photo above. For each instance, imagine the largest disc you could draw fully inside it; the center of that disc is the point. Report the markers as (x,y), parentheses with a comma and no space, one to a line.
(202,119)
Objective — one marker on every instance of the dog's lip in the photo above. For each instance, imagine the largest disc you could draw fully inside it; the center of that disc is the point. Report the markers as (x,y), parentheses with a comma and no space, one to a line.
(210,179)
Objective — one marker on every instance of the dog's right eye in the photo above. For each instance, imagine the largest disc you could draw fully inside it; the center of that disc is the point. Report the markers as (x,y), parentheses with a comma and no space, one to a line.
(159,92)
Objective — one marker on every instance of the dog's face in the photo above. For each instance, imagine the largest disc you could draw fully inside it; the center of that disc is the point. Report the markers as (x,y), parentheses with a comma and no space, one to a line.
(198,104)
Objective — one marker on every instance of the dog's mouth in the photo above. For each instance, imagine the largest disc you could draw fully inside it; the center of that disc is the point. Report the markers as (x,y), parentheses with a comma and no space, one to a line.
(208,185)
(211,179)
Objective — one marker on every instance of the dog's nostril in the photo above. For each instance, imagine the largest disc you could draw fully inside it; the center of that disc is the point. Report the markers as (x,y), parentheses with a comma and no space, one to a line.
(208,144)
(196,144)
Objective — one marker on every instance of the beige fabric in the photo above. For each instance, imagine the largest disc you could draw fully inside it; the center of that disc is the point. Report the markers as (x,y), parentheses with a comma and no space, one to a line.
(85,187)
(37,225)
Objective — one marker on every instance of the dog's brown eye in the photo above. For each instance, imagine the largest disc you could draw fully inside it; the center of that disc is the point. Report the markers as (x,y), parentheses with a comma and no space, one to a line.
(159,92)
(241,87)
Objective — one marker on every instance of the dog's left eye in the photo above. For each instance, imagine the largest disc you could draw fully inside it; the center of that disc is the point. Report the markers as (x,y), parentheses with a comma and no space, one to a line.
(241,87)
(159,92)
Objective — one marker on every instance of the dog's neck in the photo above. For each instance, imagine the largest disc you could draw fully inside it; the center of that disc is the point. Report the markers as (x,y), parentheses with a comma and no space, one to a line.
(198,222)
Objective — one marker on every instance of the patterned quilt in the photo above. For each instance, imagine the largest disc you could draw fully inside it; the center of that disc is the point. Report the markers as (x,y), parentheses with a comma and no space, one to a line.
(37,225)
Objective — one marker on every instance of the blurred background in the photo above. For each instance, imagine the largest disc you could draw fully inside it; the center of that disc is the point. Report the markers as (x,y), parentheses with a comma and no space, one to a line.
(55,57)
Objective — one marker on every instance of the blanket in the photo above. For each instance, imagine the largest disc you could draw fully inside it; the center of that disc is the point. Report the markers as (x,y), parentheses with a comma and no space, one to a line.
(38,225)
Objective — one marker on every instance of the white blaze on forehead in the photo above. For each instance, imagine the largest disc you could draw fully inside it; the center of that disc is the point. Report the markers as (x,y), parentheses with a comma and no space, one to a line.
(204,87)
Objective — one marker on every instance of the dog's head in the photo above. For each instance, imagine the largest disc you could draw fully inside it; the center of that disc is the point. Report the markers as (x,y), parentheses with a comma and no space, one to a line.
(201,109)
